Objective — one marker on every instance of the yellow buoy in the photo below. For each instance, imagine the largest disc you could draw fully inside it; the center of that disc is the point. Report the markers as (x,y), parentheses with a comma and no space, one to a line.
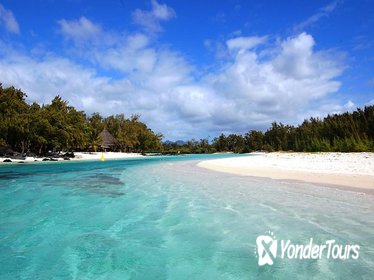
(102,157)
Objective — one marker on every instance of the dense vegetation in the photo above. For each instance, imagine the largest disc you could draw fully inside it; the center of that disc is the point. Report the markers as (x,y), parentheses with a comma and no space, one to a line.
(60,127)
(348,132)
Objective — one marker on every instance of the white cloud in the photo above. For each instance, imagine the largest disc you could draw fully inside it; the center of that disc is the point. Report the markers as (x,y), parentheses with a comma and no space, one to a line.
(245,93)
(241,43)
(8,20)
(328,106)
(280,88)
(150,20)
(162,11)
(294,58)
(350,106)
(219,48)
(79,30)
(321,13)
(133,54)
(43,79)
(330,7)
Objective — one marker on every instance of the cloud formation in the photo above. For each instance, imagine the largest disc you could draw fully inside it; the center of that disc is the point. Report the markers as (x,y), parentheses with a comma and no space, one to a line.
(248,92)
(79,30)
(8,20)
(150,20)
(321,13)
(279,88)
(244,43)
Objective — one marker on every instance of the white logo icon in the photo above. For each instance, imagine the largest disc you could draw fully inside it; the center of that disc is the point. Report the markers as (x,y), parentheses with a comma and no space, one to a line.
(266,249)
(267,246)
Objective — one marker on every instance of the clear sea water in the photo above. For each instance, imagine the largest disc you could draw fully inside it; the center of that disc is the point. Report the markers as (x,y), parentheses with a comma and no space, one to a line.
(166,218)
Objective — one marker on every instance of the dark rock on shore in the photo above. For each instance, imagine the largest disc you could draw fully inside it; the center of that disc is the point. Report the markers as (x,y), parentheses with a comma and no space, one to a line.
(69,155)
(49,159)
(7,152)
(7,160)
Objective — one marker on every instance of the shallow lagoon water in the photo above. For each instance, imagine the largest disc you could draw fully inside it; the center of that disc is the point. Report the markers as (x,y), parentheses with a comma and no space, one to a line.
(165,218)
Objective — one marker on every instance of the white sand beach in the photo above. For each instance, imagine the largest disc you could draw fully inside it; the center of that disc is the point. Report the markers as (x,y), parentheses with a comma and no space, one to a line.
(81,156)
(355,170)
(107,155)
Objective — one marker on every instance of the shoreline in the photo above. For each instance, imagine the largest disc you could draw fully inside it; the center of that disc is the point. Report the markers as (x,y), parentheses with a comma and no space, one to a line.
(351,171)
(79,156)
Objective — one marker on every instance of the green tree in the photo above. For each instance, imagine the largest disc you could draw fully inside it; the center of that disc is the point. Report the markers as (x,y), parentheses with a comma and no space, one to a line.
(254,140)
(14,124)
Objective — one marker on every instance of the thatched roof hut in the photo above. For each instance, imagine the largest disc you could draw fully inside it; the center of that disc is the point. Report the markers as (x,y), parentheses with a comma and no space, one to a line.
(107,141)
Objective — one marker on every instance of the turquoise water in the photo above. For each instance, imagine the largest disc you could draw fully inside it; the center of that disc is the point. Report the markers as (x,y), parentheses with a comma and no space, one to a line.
(165,218)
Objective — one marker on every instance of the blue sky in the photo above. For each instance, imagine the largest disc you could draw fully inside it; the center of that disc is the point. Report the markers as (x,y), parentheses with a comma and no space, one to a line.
(192,68)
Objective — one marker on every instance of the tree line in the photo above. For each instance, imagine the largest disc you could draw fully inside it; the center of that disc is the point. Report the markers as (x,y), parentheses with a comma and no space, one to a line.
(58,126)
(347,132)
